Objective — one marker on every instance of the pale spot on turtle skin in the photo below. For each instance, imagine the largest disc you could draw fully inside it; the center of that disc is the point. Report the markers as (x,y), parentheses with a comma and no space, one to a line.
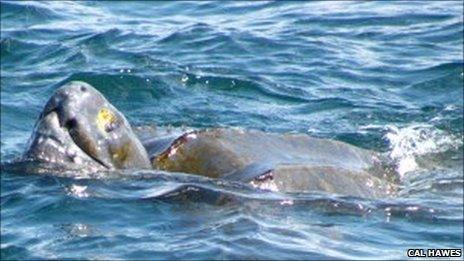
(71,153)
(115,136)
(61,150)
(77,160)
(369,183)
(172,152)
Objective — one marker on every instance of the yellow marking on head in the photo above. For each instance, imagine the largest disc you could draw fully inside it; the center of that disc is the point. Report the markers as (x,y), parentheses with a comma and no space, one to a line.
(104,118)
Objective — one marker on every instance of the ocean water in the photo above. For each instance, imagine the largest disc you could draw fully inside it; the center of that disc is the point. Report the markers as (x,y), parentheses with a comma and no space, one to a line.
(386,76)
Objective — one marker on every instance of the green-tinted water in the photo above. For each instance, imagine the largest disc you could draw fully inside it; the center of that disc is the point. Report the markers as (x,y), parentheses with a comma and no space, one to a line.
(382,76)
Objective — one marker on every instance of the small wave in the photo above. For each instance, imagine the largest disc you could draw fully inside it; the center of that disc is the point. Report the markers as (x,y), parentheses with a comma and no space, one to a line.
(256,86)
(32,56)
(204,38)
(180,188)
(13,252)
(409,143)
(100,40)
(8,45)
(19,51)
(376,20)
(185,189)
(443,84)
(126,83)
(30,11)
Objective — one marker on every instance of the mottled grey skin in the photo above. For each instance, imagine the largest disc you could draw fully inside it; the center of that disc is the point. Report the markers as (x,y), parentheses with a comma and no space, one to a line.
(79,128)
(67,133)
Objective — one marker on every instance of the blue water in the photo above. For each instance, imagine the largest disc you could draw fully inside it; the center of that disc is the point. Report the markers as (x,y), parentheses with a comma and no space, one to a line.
(386,76)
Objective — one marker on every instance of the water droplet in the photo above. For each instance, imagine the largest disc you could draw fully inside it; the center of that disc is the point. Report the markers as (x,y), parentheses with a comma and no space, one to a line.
(184,78)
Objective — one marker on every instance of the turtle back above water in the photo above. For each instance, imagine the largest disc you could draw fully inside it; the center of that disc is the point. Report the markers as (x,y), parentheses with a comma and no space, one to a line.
(281,162)
(79,128)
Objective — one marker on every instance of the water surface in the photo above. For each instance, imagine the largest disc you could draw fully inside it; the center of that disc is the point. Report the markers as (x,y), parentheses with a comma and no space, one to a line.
(382,76)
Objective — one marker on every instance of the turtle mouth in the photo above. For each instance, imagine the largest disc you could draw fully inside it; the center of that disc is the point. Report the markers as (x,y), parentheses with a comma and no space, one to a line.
(85,145)
(82,141)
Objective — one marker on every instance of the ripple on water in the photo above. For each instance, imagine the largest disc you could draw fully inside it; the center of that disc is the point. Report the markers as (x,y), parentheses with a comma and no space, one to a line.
(384,76)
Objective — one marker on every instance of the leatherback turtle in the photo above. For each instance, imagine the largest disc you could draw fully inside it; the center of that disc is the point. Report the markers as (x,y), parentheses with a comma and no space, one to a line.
(80,129)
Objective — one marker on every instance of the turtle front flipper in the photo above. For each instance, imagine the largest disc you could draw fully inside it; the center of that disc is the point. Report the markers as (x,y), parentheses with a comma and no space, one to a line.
(199,152)
(255,171)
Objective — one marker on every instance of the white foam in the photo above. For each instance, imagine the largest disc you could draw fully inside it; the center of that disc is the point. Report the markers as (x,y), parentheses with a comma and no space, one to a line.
(78,191)
(407,143)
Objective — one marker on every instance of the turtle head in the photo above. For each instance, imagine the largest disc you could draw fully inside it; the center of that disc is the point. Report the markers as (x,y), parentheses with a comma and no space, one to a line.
(78,125)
